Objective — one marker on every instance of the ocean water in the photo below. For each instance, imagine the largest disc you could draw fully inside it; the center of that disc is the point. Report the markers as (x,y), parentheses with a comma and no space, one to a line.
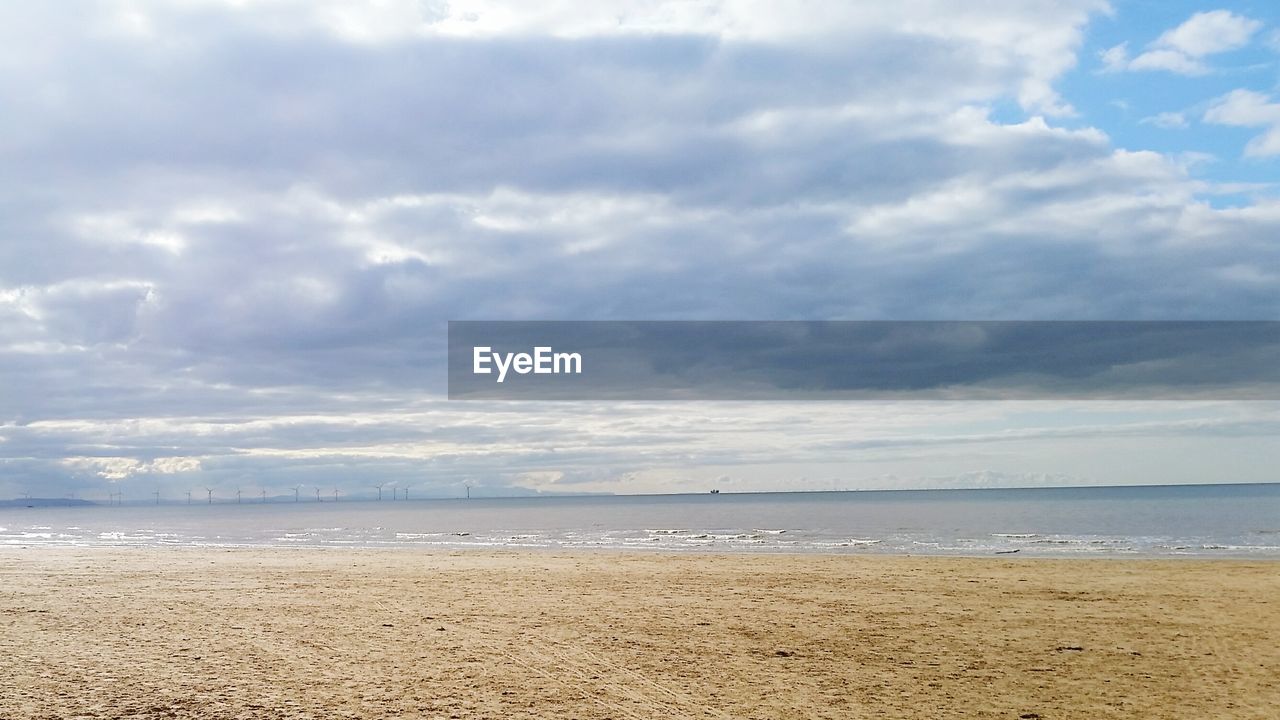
(1186,520)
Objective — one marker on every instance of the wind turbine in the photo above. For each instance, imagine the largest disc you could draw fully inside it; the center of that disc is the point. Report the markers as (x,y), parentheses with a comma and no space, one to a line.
(318,495)
(264,495)
(157,494)
(295,492)
(379,486)
(210,491)
(188,497)
(237,496)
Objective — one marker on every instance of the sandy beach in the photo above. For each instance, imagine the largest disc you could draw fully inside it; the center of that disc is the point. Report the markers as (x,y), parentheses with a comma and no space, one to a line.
(284,633)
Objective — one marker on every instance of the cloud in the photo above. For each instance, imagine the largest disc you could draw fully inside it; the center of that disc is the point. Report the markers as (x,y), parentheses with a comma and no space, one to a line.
(119,468)
(868,360)
(1246,108)
(1173,61)
(1183,49)
(1206,33)
(242,226)
(1115,58)
(1166,120)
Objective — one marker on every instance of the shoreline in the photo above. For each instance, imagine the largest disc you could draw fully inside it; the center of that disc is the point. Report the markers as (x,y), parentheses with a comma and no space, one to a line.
(493,633)
(465,548)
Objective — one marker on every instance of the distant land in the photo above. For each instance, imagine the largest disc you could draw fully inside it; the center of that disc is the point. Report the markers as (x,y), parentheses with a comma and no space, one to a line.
(46,502)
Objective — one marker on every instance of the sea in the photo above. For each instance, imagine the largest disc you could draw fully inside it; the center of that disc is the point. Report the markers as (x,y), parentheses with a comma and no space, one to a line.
(1221,520)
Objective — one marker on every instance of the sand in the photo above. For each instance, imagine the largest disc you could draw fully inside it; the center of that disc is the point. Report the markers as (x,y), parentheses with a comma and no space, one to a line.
(289,633)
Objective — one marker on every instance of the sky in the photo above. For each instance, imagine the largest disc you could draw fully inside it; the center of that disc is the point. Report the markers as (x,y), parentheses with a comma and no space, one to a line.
(232,233)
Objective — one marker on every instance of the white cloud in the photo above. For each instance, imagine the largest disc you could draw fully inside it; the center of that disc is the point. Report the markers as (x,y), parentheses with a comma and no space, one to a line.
(120,468)
(1166,120)
(1170,60)
(1246,108)
(1183,49)
(1115,58)
(1205,33)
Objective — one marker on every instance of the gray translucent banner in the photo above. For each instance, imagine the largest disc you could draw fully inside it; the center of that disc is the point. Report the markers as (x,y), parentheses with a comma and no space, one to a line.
(870,360)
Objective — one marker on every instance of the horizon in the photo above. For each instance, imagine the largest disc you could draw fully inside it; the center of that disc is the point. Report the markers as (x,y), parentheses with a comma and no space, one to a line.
(284,499)
(215,277)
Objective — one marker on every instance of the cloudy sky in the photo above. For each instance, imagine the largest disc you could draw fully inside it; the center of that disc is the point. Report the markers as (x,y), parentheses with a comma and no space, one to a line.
(232,232)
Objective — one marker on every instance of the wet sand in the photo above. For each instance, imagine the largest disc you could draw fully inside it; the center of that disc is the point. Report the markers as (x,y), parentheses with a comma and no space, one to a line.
(290,633)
